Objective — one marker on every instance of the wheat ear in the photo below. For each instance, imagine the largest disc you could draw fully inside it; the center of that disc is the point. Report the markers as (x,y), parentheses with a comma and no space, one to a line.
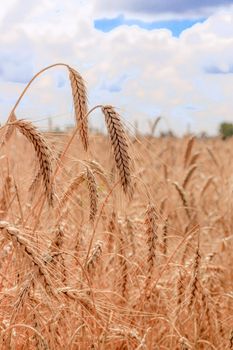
(188,150)
(43,154)
(195,277)
(80,104)
(120,146)
(93,194)
(152,237)
(13,234)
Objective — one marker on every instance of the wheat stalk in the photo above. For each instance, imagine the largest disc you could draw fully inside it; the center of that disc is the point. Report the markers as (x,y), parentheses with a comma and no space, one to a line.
(189,174)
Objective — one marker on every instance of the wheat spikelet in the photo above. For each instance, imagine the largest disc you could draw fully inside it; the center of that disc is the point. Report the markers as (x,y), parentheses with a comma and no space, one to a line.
(120,146)
(80,104)
(43,154)
(188,150)
(195,279)
(123,266)
(93,194)
(151,233)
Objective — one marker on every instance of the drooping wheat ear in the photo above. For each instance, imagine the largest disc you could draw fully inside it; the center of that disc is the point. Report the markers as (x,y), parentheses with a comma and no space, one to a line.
(151,233)
(14,235)
(43,154)
(120,146)
(93,194)
(189,174)
(188,150)
(94,257)
(80,104)
(195,277)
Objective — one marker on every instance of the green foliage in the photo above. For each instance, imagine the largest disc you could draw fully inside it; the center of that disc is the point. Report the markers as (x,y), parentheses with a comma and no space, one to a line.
(226,130)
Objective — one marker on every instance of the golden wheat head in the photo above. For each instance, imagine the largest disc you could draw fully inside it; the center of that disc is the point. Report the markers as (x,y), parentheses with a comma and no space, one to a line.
(120,146)
(80,104)
(42,152)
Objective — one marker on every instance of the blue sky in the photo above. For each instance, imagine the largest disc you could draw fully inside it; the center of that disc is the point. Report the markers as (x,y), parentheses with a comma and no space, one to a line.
(152,57)
(175,26)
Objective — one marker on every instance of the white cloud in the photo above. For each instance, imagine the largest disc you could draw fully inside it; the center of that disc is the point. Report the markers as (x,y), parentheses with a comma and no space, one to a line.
(144,73)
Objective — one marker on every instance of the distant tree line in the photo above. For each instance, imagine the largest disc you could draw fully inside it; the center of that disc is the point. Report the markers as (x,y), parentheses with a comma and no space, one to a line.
(226,130)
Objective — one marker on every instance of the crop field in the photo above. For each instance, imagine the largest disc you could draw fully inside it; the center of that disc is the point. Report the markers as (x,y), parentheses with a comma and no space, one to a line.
(114,241)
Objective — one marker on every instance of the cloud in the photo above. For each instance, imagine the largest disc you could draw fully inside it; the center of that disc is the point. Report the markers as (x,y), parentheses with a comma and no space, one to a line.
(16,59)
(144,73)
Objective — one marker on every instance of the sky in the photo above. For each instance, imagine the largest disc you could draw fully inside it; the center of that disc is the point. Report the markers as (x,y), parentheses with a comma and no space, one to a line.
(147,58)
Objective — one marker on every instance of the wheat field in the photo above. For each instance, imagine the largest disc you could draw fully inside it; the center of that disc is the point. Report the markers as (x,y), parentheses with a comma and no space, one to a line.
(114,241)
